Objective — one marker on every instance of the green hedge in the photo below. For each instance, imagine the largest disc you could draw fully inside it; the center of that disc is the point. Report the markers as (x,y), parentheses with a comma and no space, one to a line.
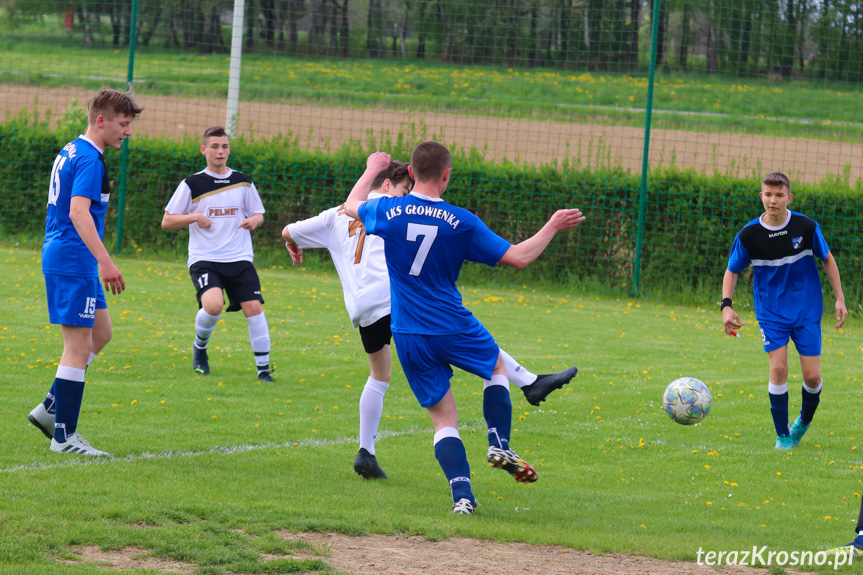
(691,218)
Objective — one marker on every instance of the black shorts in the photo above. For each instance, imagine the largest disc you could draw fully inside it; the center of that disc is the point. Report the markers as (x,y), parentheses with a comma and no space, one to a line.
(239,280)
(377,335)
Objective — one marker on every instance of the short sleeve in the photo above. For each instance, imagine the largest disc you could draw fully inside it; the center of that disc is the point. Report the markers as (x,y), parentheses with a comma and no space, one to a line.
(819,244)
(739,258)
(313,232)
(486,247)
(89,174)
(181,201)
(368,215)
(253,203)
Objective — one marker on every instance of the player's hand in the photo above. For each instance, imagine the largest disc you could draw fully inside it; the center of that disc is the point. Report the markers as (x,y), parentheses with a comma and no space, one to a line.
(841,314)
(203,221)
(378,162)
(252,222)
(295,251)
(563,220)
(112,278)
(731,320)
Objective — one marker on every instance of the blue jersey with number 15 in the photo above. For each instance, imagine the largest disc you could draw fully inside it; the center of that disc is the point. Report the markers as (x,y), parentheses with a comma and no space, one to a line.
(78,171)
(426,242)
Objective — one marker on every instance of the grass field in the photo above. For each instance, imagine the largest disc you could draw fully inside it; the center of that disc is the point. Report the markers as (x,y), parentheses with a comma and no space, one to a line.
(208,468)
(800,109)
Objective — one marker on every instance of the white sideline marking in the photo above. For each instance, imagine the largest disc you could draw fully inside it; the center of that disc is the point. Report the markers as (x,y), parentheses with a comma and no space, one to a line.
(219,450)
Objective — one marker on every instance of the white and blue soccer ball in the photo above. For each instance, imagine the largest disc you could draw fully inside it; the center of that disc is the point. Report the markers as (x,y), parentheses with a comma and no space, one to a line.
(687,400)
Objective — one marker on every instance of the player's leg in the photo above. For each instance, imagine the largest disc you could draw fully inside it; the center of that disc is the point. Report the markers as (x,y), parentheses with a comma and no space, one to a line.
(209,311)
(211,301)
(778,391)
(807,339)
(243,287)
(376,343)
(42,416)
(450,452)
(429,379)
(475,351)
(535,387)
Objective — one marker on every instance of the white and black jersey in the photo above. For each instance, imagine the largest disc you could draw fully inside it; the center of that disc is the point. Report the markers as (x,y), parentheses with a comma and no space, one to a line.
(226,200)
(359,261)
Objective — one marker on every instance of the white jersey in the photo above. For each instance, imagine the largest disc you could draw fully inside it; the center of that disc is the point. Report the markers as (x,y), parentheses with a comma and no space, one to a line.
(359,261)
(227,200)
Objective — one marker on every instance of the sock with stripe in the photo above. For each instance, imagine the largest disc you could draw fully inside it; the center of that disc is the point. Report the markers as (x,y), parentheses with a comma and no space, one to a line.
(779,407)
(810,400)
(69,387)
(497,410)
(450,453)
(259,336)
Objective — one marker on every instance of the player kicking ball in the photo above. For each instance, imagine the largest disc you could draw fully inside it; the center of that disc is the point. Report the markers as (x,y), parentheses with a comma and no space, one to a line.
(781,246)
(221,207)
(73,257)
(361,265)
(426,242)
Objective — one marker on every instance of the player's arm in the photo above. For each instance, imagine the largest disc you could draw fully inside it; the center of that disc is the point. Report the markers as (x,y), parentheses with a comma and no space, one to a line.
(730,319)
(79,214)
(293,249)
(252,222)
(520,255)
(180,221)
(376,163)
(832,271)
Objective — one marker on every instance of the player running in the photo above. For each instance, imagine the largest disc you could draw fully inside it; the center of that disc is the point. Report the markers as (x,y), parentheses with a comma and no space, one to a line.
(361,265)
(782,246)
(221,207)
(426,242)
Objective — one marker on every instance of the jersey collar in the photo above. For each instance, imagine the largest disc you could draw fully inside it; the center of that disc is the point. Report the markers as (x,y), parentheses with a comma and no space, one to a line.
(426,198)
(92,143)
(774,228)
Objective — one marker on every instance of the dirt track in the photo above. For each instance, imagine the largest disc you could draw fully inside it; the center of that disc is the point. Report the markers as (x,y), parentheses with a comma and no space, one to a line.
(528,141)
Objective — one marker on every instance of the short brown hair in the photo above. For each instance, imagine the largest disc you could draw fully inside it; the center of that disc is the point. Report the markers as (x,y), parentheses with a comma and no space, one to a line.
(396,173)
(777,180)
(110,104)
(429,160)
(215,132)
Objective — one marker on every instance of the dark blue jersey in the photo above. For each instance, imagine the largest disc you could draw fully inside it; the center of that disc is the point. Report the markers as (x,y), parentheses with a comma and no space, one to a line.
(786,281)
(78,170)
(426,242)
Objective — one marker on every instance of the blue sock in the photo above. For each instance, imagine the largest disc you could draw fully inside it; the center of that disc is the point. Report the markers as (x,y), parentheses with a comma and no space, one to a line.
(49,403)
(452,457)
(809,404)
(779,411)
(497,410)
(69,388)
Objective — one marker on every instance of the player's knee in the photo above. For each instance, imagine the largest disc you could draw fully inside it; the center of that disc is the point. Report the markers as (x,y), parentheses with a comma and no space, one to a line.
(779,373)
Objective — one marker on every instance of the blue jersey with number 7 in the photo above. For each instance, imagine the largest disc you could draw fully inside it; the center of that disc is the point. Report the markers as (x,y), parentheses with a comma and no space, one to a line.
(78,171)
(426,242)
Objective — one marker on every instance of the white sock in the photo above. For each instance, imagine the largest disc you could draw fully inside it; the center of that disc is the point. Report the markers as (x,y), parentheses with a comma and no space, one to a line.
(91,358)
(259,336)
(204,326)
(774,389)
(371,409)
(515,372)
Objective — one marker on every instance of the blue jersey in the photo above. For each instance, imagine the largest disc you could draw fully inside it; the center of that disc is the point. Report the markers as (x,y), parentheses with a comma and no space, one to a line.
(79,170)
(786,280)
(426,242)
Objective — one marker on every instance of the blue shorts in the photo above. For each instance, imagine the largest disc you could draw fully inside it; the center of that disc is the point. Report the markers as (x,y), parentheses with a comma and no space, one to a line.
(73,300)
(426,359)
(806,338)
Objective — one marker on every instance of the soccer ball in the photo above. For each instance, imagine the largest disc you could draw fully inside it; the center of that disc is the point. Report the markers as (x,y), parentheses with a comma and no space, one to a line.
(687,400)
